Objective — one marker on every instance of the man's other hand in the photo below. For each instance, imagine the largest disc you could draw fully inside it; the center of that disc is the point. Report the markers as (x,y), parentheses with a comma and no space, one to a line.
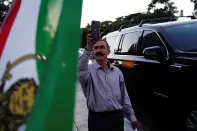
(135,124)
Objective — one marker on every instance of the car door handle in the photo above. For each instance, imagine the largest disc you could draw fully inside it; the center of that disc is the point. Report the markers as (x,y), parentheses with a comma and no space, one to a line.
(160,95)
(175,68)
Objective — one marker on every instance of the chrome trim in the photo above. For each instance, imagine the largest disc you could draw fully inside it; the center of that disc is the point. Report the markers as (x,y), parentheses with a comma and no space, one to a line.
(161,95)
(122,57)
(177,66)
(132,58)
(187,58)
(143,59)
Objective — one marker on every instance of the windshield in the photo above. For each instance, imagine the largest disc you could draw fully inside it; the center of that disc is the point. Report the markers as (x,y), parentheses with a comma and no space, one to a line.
(182,37)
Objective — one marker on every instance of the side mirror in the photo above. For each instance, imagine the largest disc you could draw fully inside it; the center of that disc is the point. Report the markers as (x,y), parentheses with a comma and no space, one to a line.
(153,53)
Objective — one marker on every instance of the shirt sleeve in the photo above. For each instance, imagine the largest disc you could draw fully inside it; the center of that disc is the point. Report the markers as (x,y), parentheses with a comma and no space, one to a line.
(126,103)
(83,73)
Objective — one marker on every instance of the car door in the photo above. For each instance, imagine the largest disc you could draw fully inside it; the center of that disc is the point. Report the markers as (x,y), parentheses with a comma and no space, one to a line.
(155,83)
(145,79)
(155,72)
(124,55)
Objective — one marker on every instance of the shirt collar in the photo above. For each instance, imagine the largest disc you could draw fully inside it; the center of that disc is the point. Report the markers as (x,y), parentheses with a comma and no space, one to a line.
(97,66)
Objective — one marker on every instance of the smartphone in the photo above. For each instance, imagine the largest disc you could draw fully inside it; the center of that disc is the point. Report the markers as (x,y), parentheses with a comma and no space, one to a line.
(95,29)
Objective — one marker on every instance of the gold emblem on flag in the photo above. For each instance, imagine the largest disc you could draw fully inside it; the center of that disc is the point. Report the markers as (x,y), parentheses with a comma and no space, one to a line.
(17,102)
(22,96)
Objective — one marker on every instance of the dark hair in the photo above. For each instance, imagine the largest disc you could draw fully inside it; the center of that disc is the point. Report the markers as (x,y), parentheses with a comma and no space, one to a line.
(107,44)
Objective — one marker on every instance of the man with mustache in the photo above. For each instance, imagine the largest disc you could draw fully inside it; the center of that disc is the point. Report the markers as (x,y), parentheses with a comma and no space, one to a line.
(104,88)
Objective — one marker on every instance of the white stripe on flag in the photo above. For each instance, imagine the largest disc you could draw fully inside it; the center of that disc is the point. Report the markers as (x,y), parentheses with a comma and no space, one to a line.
(21,41)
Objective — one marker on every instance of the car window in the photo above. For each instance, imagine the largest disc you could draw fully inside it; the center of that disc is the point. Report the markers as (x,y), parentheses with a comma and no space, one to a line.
(112,41)
(129,42)
(149,39)
(182,37)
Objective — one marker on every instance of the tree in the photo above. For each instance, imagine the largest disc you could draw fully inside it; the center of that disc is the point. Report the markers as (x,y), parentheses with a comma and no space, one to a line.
(195,4)
(134,19)
(169,7)
(4,7)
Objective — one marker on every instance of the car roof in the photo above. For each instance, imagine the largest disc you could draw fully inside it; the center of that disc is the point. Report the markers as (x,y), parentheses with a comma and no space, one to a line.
(157,26)
(172,23)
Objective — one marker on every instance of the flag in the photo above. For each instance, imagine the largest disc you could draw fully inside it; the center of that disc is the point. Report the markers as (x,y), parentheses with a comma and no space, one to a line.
(39,40)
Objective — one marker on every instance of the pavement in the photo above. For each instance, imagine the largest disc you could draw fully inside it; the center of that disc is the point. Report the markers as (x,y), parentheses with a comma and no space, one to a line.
(81,111)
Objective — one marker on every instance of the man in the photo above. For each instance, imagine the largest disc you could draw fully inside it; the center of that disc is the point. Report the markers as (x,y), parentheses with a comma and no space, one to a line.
(104,88)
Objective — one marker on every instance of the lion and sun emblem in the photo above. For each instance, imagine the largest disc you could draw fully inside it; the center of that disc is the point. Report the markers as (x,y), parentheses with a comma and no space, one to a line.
(17,102)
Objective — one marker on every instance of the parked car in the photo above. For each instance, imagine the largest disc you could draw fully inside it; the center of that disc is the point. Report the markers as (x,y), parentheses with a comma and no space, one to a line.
(159,62)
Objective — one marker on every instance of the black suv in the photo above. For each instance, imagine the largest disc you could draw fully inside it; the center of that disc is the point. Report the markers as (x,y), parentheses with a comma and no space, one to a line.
(159,62)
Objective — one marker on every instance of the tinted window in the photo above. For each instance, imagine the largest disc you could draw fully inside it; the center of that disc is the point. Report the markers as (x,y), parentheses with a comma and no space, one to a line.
(112,41)
(129,43)
(182,37)
(149,39)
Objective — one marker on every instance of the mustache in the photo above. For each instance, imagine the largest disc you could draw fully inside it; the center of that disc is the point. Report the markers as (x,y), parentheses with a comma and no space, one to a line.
(99,53)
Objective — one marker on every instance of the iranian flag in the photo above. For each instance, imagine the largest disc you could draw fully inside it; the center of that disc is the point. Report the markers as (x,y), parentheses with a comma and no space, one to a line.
(39,40)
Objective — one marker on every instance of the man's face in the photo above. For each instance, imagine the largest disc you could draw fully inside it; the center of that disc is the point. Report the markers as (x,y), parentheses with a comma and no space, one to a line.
(100,51)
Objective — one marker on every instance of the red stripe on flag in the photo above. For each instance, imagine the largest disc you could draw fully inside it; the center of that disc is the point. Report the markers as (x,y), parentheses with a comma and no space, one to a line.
(7,24)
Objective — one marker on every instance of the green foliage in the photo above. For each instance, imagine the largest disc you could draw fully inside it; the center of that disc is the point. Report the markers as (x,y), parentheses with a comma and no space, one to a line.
(195,4)
(168,6)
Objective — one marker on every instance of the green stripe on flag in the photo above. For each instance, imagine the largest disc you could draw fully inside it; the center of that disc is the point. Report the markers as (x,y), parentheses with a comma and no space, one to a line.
(54,106)
(48,20)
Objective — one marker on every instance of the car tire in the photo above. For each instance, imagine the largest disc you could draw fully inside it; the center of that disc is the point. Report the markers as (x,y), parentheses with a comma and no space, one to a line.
(191,122)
